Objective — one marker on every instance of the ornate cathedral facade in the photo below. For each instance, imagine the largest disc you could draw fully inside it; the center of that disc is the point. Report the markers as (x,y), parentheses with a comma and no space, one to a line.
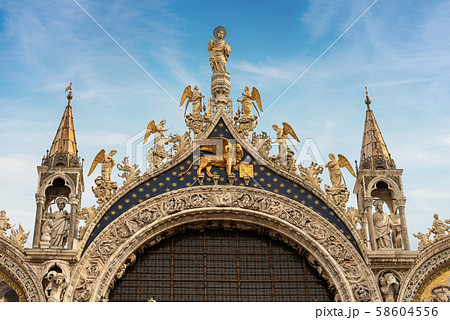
(219,216)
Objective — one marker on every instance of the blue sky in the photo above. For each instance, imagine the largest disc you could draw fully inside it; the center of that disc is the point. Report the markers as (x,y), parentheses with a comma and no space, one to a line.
(399,49)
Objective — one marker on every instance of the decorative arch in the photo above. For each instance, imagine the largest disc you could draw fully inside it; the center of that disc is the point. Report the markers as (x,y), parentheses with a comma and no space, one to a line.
(13,266)
(68,183)
(391,184)
(429,263)
(328,249)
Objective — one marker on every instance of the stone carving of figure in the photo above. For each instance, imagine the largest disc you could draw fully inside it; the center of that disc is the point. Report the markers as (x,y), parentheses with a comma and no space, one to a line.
(438,228)
(54,291)
(196,103)
(220,51)
(282,143)
(4,224)
(388,287)
(383,226)
(107,165)
(157,153)
(424,240)
(334,170)
(397,237)
(60,225)
(246,102)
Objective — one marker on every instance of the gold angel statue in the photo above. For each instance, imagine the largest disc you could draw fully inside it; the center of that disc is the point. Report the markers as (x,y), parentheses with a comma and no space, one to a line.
(158,129)
(282,135)
(107,162)
(334,168)
(196,98)
(247,101)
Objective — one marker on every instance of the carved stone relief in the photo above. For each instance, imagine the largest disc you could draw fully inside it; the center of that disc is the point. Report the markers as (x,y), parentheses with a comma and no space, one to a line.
(129,225)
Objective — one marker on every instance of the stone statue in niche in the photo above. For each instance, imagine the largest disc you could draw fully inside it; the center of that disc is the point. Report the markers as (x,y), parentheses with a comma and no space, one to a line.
(46,236)
(389,287)
(383,226)
(397,240)
(60,225)
(57,284)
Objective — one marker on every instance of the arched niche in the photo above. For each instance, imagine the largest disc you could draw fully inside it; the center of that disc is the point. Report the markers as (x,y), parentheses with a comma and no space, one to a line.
(386,189)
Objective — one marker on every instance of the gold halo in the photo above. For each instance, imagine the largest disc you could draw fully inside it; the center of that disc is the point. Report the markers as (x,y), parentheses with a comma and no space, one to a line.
(216,31)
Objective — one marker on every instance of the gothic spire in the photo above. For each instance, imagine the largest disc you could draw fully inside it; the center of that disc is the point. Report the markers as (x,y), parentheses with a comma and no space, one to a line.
(374,152)
(63,151)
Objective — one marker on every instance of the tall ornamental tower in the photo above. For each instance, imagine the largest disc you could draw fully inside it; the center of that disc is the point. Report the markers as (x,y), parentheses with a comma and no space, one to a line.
(60,186)
(379,185)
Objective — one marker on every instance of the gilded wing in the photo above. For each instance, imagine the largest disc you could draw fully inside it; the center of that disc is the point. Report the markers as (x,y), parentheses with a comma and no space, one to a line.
(343,162)
(151,128)
(287,129)
(187,93)
(257,98)
(212,148)
(99,158)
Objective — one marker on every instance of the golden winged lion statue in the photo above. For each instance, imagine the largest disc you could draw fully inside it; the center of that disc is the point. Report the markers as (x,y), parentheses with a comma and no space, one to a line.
(229,158)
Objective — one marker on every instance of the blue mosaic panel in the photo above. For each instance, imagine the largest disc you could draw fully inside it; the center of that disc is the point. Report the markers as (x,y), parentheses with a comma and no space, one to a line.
(264,179)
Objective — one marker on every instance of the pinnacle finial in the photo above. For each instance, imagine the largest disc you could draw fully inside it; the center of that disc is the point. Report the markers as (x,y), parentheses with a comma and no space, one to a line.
(69,96)
(367,102)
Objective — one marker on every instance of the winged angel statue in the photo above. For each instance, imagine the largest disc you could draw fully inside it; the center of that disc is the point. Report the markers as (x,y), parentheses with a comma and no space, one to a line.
(156,154)
(247,101)
(282,135)
(104,186)
(338,190)
(196,98)
(334,168)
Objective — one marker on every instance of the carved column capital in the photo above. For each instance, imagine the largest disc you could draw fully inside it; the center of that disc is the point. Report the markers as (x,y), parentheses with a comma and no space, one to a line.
(400,201)
(40,198)
(73,200)
(368,202)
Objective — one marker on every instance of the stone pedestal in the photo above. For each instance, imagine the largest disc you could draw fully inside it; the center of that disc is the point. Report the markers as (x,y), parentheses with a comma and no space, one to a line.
(220,88)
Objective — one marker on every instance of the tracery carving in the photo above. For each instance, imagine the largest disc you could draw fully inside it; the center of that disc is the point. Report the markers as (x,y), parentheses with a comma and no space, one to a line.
(130,172)
(262,143)
(87,214)
(18,237)
(311,174)
(354,215)
(180,143)
(424,240)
